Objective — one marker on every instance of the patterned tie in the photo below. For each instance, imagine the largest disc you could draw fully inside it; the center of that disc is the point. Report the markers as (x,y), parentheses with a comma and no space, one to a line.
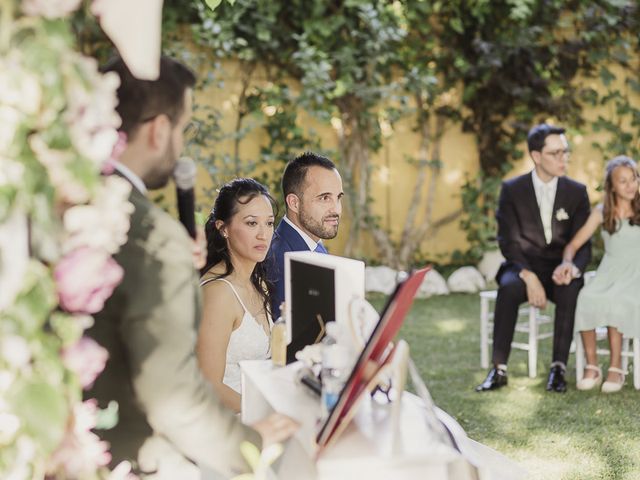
(320,248)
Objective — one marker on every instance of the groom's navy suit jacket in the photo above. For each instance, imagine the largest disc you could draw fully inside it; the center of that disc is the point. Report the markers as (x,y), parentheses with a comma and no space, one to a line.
(285,239)
(520,231)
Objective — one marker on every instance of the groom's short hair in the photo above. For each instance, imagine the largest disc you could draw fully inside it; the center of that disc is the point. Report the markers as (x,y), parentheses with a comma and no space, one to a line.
(538,134)
(142,100)
(295,172)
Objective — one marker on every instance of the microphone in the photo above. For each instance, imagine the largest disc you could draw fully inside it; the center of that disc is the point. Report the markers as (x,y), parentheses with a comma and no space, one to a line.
(184,175)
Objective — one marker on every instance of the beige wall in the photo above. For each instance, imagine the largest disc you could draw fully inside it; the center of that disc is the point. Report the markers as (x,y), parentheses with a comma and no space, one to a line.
(393,178)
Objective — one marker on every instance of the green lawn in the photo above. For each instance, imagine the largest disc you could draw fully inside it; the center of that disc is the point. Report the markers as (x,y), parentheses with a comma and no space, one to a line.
(576,435)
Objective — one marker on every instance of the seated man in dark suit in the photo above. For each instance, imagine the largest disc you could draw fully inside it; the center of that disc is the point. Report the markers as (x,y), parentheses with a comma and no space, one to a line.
(312,189)
(169,417)
(538,214)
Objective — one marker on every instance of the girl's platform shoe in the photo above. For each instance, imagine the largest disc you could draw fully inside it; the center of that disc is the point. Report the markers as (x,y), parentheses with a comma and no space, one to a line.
(590,383)
(612,387)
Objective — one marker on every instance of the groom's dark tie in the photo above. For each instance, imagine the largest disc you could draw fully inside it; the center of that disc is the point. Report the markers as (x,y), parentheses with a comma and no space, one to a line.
(320,248)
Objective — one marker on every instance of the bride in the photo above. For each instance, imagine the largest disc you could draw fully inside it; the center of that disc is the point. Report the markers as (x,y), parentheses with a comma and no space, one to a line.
(236,321)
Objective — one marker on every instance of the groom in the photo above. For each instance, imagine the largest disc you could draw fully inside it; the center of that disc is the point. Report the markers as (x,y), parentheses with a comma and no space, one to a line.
(312,189)
(538,214)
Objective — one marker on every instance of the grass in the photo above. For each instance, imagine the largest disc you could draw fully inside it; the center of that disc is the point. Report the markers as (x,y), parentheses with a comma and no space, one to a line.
(571,436)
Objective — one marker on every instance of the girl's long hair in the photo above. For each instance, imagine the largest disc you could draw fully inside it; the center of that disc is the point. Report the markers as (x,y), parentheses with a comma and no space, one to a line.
(239,191)
(610,223)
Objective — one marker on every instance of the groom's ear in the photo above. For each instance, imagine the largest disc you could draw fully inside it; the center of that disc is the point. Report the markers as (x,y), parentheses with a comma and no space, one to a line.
(293,203)
(535,156)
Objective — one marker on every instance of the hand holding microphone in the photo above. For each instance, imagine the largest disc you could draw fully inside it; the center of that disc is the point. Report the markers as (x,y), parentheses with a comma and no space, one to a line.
(184,175)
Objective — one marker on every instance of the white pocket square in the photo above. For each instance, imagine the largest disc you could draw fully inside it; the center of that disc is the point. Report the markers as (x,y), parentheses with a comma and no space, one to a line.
(561,214)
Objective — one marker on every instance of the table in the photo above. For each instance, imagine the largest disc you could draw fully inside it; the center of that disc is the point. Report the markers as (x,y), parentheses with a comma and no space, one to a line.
(373,446)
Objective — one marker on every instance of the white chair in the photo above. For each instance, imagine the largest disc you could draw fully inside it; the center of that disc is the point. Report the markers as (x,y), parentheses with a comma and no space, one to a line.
(533,319)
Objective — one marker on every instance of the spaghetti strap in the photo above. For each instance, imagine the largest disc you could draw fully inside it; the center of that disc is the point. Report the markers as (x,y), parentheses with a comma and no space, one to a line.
(209,280)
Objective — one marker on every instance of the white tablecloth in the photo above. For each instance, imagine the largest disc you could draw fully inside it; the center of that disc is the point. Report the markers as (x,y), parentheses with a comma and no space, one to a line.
(368,448)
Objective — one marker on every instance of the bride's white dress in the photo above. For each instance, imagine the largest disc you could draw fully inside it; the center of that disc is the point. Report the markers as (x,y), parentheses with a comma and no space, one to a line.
(247,342)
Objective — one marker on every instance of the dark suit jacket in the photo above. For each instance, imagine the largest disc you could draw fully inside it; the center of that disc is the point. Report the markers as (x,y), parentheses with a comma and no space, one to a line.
(285,239)
(520,231)
(149,325)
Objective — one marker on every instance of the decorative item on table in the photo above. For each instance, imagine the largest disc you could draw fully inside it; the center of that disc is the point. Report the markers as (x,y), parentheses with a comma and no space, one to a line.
(279,341)
(336,366)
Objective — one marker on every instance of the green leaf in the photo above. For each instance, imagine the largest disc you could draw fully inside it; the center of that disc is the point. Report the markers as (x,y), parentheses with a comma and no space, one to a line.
(456,24)
(68,328)
(43,411)
(213,4)
(107,418)
(606,76)
(36,300)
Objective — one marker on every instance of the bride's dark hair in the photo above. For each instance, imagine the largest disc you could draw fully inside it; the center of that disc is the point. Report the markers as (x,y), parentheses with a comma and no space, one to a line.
(239,191)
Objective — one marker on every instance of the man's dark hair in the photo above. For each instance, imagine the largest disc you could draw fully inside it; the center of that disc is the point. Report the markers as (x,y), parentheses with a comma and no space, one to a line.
(538,134)
(142,100)
(296,171)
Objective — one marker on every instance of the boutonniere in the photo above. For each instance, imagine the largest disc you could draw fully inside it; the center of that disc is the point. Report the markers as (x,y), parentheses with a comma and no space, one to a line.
(561,214)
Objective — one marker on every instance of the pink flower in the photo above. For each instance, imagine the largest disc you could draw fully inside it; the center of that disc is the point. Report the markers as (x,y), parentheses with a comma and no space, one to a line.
(118,149)
(80,451)
(85,278)
(86,359)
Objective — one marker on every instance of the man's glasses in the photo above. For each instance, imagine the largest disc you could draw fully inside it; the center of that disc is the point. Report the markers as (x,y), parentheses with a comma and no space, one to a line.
(562,153)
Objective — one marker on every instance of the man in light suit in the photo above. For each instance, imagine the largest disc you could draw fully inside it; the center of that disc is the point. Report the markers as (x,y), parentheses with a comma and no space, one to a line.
(170,420)
(312,189)
(538,214)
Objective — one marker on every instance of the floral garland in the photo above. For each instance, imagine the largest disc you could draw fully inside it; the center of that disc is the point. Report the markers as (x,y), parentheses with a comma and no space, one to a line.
(61,221)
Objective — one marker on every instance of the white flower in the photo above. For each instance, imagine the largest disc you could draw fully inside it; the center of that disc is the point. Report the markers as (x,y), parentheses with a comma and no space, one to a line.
(561,214)
(91,115)
(50,8)
(14,240)
(15,350)
(103,223)
(19,88)
(9,120)
(6,380)
(11,172)
(9,425)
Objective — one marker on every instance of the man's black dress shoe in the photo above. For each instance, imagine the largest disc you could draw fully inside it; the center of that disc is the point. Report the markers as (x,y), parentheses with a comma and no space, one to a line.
(497,378)
(556,382)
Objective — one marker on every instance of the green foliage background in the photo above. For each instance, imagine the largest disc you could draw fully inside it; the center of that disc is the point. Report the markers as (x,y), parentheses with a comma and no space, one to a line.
(517,62)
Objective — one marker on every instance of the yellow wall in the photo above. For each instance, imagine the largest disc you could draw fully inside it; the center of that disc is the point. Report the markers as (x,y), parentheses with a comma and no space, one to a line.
(392,186)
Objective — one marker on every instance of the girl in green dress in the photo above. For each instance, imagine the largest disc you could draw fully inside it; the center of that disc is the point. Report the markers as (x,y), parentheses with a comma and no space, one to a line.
(612,298)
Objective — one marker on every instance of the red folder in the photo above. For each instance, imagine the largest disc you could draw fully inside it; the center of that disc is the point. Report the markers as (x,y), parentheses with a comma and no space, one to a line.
(374,355)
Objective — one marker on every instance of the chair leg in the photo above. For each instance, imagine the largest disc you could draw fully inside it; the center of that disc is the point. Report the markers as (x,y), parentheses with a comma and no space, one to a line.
(625,353)
(636,363)
(533,342)
(579,357)
(484,332)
